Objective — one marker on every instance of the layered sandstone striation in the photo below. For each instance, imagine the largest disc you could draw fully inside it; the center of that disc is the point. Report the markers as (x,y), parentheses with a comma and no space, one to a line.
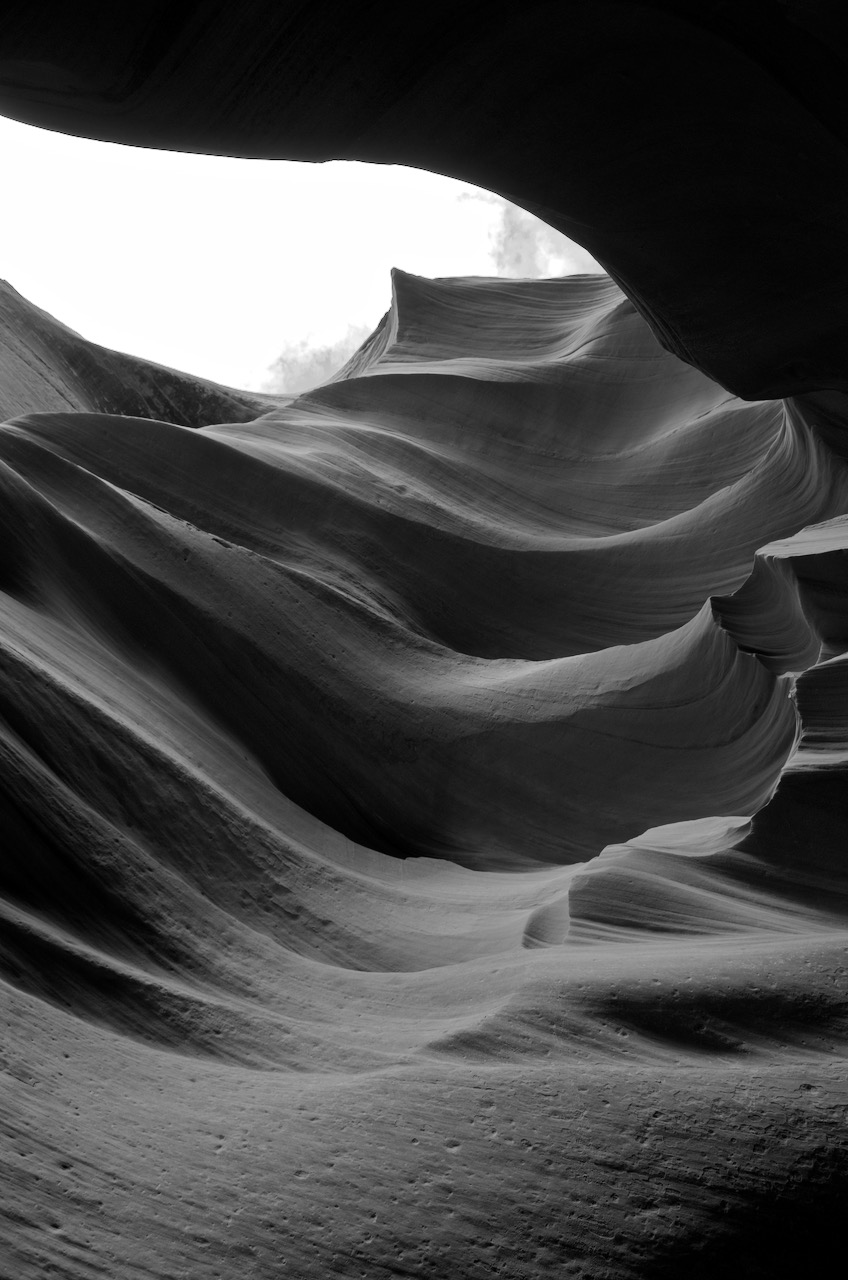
(424,802)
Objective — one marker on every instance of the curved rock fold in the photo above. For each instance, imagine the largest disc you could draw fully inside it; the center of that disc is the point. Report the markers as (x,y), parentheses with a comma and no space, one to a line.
(430,723)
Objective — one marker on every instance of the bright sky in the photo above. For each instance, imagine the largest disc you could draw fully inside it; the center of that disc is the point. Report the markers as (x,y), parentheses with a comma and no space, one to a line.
(218,266)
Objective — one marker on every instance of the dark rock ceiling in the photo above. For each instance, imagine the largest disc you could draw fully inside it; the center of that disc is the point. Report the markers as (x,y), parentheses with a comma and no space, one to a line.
(697,150)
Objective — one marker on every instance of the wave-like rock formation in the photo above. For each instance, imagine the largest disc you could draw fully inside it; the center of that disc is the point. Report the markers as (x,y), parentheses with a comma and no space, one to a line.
(423,808)
(46,366)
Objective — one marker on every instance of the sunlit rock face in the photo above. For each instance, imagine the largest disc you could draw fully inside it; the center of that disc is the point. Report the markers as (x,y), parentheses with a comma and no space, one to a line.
(423,800)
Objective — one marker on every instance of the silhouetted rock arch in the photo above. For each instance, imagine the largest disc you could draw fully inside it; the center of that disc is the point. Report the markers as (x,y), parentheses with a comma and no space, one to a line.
(697,150)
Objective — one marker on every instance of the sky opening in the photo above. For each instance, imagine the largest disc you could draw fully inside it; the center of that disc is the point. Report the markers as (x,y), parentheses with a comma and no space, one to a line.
(258,274)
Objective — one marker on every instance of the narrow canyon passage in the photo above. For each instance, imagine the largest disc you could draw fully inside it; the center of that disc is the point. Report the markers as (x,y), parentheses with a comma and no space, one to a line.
(423,798)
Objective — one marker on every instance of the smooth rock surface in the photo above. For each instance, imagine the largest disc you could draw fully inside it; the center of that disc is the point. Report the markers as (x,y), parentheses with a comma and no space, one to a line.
(424,812)
(423,801)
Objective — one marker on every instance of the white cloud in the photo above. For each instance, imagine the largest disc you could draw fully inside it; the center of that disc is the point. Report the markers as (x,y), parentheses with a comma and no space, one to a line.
(523,247)
(301,366)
